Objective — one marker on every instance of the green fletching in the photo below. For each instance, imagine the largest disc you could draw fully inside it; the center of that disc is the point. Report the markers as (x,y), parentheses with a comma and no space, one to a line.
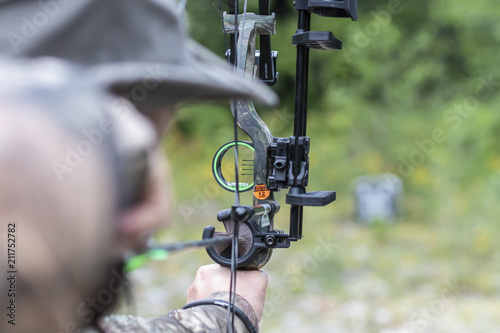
(142,259)
(158,254)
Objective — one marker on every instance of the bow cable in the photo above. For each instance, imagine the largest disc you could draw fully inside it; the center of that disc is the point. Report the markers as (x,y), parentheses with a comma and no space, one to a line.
(234,54)
(234,244)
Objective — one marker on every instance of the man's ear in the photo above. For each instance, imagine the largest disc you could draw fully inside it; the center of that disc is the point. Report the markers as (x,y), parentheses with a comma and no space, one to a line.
(151,212)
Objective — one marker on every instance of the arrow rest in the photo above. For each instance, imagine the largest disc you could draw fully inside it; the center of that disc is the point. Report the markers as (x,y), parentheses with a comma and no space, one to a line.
(255,253)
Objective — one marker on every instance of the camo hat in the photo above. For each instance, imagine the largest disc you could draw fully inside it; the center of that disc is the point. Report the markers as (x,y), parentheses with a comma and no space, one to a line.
(137,49)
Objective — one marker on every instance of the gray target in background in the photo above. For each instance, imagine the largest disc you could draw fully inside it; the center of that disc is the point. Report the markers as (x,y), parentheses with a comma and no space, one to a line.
(377,198)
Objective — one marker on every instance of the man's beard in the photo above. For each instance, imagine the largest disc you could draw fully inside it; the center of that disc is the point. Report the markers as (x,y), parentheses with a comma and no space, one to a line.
(124,283)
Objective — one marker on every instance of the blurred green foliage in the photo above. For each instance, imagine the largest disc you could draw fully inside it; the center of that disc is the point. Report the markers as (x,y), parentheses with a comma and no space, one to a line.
(416,92)
(407,69)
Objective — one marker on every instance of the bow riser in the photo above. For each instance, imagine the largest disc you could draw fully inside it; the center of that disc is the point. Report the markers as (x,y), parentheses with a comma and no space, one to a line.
(278,163)
(250,25)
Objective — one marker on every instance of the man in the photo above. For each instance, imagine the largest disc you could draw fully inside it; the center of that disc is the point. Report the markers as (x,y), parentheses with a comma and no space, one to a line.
(71,257)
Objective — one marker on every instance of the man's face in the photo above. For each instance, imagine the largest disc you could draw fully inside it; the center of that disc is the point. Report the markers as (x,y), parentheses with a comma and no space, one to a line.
(64,227)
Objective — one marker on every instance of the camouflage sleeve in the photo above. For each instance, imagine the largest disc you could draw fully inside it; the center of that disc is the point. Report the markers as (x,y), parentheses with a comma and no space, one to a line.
(203,318)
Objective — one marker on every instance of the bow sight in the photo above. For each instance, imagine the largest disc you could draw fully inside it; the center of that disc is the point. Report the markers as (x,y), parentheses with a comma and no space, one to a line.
(278,163)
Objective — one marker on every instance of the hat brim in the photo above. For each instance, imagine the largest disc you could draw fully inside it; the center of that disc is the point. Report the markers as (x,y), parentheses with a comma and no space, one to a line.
(202,76)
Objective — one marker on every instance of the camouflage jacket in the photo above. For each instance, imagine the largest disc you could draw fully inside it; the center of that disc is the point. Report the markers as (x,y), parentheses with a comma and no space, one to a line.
(203,318)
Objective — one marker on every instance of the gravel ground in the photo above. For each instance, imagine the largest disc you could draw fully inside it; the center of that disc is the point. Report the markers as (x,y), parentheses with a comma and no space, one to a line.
(363,287)
(368,305)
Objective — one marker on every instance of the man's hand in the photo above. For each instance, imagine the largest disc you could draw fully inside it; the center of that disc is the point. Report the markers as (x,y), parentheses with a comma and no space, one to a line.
(209,279)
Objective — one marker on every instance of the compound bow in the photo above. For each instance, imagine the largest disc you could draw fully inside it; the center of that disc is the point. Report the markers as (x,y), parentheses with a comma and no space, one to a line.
(278,163)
